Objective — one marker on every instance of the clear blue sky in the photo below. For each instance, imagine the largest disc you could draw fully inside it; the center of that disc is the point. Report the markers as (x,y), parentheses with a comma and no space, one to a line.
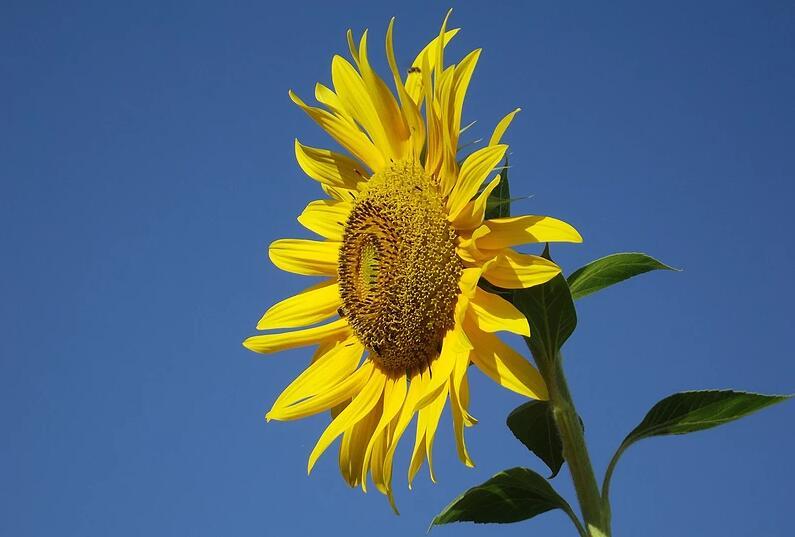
(146,163)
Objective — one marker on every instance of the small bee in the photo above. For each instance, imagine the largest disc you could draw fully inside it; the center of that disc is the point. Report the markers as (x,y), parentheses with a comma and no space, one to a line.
(414,70)
(341,311)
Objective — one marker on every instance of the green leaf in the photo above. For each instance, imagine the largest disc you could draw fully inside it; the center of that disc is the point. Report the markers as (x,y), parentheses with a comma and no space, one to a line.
(534,426)
(550,312)
(498,204)
(688,412)
(610,270)
(510,496)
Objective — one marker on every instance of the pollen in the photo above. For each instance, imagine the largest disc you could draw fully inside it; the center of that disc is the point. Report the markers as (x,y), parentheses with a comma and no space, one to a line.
(398,268)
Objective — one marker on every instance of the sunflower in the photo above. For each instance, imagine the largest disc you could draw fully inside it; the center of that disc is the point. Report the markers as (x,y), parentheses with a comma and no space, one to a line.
(400,316)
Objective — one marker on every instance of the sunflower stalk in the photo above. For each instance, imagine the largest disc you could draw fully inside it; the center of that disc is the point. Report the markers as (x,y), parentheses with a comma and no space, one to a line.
(595,512)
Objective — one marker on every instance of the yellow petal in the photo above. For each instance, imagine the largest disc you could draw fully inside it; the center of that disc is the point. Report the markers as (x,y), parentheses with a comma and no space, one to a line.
(326,218)
(309,258)
(322,348)
(467,246)
(414,80)
(492,313)
(471,216)
(512,270)
(325,400)
(345,133)
(414,119)
(377,462)
(516,230)
(474,171)
(467,284)
(459,404)
(336,330)
(451,91)
(434,411)
(310,306)
(387,109)
(459,373)
(442,367)
(458,410)
(339,194)
(446,159)
(394,396)
(504,365)
(353,94)
(463,75)
(335,410)
(327,370)
(502,126)
(406,414)
(328,167)
(434,150)
(439,52)
(326,96)
(360,406)
(354,442)
(418,453)
(461,387)
(352,46)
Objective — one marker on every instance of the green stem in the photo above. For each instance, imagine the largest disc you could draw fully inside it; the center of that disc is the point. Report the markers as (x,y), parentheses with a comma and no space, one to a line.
(594,510)
(609,475)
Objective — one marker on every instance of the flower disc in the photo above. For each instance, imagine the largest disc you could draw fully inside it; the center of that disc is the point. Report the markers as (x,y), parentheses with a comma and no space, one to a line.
(398,269)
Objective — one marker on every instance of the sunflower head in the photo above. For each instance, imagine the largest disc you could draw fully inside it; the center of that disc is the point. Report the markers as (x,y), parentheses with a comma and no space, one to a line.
(400,316)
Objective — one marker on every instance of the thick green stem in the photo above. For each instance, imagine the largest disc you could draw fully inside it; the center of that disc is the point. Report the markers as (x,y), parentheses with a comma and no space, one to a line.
(594,511)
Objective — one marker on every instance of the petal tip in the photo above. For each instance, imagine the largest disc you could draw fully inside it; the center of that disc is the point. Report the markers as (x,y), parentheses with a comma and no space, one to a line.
(392,503)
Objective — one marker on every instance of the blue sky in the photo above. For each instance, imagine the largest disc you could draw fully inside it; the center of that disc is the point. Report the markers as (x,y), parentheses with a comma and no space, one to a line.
(146,163)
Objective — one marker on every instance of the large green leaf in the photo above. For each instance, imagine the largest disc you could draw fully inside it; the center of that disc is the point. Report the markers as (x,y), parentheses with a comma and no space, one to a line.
(610,270)
(510,496)
(534,426)
(689,412)
(498,204)
(550,313)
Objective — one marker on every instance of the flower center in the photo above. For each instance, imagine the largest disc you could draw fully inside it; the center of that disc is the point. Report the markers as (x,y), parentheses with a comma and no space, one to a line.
(398,269)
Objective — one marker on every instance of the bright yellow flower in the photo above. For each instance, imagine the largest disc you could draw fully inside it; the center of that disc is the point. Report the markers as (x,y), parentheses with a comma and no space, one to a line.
(404,246)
